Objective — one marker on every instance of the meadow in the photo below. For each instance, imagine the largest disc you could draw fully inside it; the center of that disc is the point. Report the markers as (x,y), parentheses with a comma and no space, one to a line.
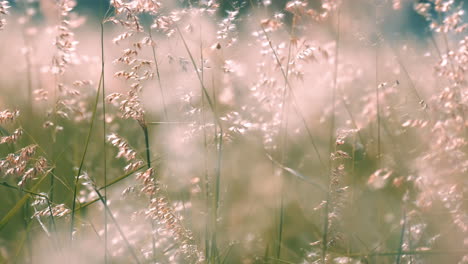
(255,131)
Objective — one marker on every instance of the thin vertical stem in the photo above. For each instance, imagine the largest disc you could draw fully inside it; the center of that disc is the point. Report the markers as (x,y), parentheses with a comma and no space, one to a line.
(148,161)
(147,145)
(158,75)
(326,221)
(85,151)
(284,131)
(294,102)
(28,237)
(218,125)
(104,139)
(377,89)
(219,147)
(122,234)
(402,238)
(205,153)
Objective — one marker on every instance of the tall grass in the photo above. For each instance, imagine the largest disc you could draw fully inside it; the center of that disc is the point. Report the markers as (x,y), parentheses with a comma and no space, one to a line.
(233,132)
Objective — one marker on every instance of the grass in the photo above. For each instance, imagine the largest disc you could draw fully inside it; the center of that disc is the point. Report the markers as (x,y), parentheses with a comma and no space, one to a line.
(251,132)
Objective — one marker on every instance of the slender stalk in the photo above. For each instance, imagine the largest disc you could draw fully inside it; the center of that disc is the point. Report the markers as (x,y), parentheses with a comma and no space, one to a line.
(118,179)
(26,217)
(219,140)
(294,102)
(281,223)
(158,75)
(377,99)
(205,153)
(13,211)
(52,185)
(298,112)
(49,205)
(80,168)
(148,160)
(217,190)
(103,102)
(377,88)
(29,103)
(332,144)
(147,145)
(26,220)
(122,234)
(284,131)
(402,239)
(410,80)
(205,91)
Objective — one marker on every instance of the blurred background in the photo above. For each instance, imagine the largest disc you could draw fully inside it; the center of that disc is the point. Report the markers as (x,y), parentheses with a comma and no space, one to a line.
(363,162)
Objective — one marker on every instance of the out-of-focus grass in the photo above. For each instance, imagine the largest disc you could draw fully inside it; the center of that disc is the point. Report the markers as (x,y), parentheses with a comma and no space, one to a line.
(259,155)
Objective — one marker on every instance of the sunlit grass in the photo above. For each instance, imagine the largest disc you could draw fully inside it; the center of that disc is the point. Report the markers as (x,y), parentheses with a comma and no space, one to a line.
(239,132)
